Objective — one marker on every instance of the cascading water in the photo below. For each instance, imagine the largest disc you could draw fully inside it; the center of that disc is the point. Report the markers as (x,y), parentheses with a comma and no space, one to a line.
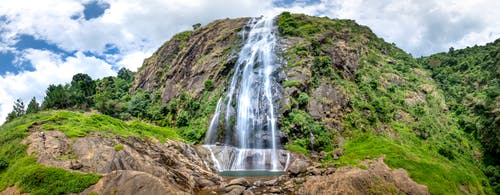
(244,122)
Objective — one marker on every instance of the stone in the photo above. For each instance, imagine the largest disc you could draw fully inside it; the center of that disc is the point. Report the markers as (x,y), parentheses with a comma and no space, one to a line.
(275,190)
(248,192)
(313,171)
(270,182)
(239,181)
(298,166)
(234,190)
(322,155)
(337,153)
(131,182)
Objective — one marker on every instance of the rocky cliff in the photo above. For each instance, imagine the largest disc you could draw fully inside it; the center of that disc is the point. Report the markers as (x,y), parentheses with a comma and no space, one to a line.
(342,85)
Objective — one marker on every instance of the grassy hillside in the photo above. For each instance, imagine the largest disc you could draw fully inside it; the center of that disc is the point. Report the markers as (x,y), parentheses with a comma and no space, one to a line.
(470,80)
(17,168)
(384,103)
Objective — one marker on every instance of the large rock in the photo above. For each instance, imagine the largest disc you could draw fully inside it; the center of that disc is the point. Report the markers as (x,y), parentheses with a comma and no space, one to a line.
(299,165)
(377,179)
(132,182)
(176,164)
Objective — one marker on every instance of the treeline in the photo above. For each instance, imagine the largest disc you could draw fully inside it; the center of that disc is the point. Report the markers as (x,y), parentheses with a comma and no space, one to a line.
(109,95)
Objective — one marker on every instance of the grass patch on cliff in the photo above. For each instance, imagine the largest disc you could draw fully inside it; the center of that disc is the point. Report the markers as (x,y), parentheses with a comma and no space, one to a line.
(23,171)
(75,124)
(423,163)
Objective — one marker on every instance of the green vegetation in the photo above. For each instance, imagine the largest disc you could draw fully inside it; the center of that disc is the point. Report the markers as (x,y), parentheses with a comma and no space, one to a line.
(470,79)
(16,168)
(420,159)
(17,110)
(393,107)
(118,147)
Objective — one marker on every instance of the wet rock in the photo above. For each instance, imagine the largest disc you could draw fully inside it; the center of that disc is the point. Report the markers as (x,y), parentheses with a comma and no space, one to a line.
(239,181)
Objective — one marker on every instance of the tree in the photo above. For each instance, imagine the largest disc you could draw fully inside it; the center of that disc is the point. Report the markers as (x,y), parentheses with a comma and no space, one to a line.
(33,106)
(196,26)
(126,74)
(17,111)
(82,90)
(56,97)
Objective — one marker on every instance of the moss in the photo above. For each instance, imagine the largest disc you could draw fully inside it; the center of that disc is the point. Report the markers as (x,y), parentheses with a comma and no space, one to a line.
(118,147)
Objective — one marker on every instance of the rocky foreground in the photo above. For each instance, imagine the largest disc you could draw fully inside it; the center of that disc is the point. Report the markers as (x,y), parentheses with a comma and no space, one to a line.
(136,166)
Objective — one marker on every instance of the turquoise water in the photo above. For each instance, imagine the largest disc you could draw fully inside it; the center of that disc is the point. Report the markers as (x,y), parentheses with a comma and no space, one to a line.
(251,173)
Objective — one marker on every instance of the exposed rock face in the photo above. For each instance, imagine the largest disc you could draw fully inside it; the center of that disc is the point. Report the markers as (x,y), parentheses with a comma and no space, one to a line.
(377,179)
(185,63)
(132,182)
(172,166)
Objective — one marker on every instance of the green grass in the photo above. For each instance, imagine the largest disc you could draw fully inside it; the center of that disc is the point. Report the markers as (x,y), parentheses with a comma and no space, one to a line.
(74,124)
(118,147)
(439,174)
(17,168)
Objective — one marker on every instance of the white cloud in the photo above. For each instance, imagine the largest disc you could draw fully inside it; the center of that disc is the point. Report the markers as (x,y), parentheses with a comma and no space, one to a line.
(50,69)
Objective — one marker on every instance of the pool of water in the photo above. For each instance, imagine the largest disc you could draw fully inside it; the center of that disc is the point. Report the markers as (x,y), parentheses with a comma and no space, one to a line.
(251,173)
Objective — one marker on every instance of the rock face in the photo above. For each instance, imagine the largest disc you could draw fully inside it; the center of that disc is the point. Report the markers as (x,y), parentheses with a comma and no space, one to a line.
(169,167)
(377,179)
(132,182)
(189,59)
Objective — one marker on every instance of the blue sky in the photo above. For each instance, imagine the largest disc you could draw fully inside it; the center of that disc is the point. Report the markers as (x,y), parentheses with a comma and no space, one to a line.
(46,42)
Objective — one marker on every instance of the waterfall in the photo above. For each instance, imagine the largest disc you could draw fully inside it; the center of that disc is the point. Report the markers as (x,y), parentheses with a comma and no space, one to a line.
(243,134)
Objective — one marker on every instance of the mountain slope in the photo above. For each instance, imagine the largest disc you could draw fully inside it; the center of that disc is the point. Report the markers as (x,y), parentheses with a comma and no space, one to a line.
(344,86)
(470,79)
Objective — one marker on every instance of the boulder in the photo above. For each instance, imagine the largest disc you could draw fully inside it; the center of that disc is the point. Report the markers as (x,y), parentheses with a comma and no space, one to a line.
(234,190)
(131,182)
(298,166)
(239,181)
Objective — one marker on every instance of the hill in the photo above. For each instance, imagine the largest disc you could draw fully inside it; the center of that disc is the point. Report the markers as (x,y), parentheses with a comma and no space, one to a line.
(366,103)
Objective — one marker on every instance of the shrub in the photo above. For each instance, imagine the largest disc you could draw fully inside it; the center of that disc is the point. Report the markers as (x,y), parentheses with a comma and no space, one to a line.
(303,99)
(209,85)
